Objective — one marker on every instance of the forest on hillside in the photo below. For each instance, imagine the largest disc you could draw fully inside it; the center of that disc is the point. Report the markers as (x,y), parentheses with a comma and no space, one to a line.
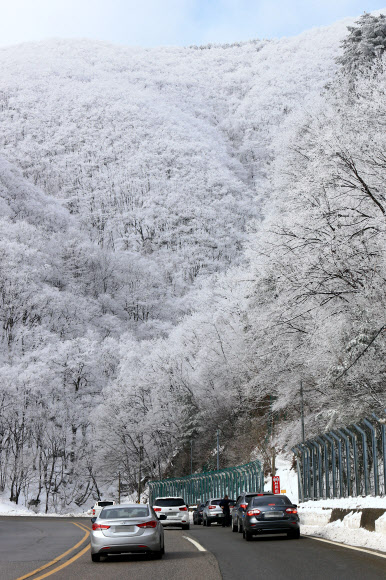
(188,235)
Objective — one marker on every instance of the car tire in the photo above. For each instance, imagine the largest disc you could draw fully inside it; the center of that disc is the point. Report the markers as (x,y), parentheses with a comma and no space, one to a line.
(95,557)
(208,523)
(247,535)
(185,527)
(294,535)
(234,527)
(239,526)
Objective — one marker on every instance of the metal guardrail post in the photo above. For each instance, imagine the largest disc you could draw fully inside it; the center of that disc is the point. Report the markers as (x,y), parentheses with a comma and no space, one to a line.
(313,466)
(348,464)
(326,466)
(320,478)
(382,423)
(354,439)
(365,460)
(333,463)
(307,463)
(375,455)
(340,465)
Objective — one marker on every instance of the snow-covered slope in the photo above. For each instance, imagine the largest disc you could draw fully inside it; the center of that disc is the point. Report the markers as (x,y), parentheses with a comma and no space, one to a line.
(165,152)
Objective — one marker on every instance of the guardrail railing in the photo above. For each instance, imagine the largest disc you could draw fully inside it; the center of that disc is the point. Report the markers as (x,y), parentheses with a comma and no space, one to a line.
(349,461)
(200,486)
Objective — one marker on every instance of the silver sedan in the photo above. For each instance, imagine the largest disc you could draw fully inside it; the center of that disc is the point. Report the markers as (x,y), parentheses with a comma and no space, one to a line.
(127,528)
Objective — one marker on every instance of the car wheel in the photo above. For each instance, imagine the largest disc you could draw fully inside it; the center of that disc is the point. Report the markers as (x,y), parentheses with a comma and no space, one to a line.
(95,557)
(185,527)
(208,523)
(294,535)
(234,527)
(239,526)
(247,535)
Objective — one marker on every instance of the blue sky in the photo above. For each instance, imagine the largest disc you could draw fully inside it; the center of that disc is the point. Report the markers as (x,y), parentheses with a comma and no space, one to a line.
(170,22)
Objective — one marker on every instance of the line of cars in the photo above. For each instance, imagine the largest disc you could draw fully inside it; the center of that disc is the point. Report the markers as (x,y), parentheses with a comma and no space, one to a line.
(252,514)
(139,528)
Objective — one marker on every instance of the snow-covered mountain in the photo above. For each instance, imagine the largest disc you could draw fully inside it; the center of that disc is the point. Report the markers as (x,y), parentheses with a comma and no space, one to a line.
(163,153)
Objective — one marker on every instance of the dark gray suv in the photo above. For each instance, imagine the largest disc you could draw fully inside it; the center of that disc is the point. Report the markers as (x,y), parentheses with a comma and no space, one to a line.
(238,512)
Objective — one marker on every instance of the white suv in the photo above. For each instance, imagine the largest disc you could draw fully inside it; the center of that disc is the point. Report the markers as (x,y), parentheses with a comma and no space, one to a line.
(173,510)
(98,507)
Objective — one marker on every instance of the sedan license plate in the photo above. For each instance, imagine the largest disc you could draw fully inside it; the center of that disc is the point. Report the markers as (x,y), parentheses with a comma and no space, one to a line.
(273,515)
(124,528)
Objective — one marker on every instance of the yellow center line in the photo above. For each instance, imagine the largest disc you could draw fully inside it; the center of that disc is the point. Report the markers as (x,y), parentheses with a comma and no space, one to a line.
(82,526)
(87,548)
(58,557)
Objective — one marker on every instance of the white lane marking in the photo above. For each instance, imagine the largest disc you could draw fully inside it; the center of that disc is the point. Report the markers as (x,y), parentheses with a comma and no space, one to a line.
(347,546)
(198,546)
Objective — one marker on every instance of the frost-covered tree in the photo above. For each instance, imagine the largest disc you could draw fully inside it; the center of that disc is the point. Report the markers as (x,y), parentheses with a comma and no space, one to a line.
(365,42)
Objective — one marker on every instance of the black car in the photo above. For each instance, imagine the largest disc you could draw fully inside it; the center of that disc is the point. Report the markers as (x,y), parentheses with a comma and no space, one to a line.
(274,514)
(197,514)
(240,507)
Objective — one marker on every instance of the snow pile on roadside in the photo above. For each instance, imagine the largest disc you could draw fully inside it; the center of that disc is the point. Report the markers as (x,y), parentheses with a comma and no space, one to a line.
(9,508)
(349,503)
(341,532)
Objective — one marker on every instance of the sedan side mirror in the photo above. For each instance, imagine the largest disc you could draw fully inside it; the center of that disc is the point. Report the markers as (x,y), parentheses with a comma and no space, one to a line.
(93,520)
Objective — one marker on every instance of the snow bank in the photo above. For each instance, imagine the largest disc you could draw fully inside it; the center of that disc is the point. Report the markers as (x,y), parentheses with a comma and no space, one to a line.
(340,532)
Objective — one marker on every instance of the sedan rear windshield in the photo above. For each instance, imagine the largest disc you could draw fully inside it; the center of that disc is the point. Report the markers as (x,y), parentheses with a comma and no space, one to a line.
(125,512)
(169,502)
(270,500)
(215,501)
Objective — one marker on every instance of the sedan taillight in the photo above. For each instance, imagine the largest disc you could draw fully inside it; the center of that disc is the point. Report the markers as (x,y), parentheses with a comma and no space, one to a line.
(157,509)
(244,506)
(212,507)
(253,512)
(184,509)
(99,527)
(151,524)
(291,511)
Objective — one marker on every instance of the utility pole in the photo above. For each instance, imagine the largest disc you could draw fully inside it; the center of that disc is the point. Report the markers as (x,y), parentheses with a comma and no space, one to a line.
(191,457)
(139,474)
(119,487)
(272,436)
(218,449)
(302,410)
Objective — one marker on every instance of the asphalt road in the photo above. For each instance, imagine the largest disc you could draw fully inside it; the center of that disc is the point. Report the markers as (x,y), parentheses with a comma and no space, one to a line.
(278,558)
(27,544)
(58,548)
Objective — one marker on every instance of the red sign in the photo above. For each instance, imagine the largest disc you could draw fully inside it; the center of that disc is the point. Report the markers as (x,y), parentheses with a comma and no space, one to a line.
(276,484)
